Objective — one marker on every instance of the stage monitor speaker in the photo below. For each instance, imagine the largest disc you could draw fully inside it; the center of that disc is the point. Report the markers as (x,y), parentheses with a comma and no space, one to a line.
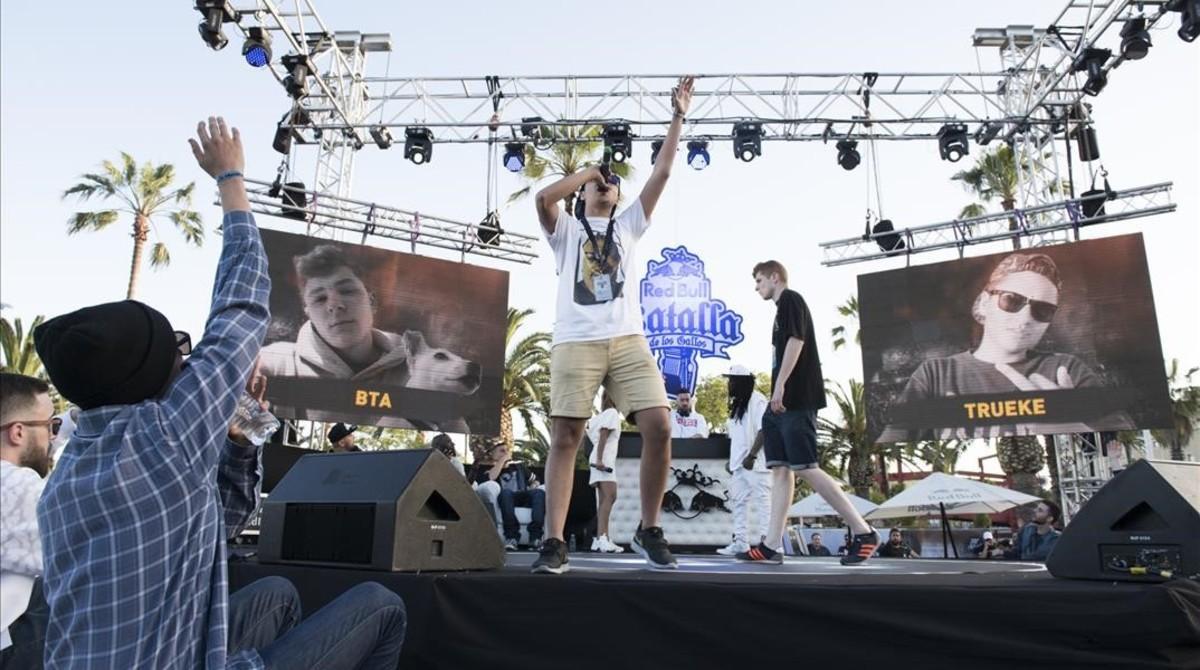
(1143,525)
(398,511)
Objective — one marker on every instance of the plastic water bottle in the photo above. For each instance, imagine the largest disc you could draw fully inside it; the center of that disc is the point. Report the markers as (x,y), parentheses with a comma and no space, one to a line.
(571,543)
(256,423)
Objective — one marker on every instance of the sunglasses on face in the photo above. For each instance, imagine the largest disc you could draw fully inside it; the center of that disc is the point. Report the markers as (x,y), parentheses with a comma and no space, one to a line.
(183,342)
(1015,302)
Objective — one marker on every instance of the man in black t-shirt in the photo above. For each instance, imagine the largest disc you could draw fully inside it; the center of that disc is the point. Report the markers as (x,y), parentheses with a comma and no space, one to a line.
(790,425)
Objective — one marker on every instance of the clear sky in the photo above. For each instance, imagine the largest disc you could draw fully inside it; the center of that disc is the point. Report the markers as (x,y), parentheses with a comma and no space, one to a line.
(81,83)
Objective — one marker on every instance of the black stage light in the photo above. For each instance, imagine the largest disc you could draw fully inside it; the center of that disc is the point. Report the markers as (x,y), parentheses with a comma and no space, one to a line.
(382,137)
(257,49)
(1135,39)
(618,143)
(418,145)
(514,156)
(489,231)
(284,135)
(891,243)
(1189,19)
(698,156)
(848,156)
(988,132)
(296,82)
(294,199)
(283,139)
(952,142)
(216,12)
(655,147)
(747,140)
(1092,61)
(1085,137)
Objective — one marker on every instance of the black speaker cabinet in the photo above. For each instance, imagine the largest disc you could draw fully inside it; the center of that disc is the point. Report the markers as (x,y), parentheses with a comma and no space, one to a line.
(1143,525)
(398,511)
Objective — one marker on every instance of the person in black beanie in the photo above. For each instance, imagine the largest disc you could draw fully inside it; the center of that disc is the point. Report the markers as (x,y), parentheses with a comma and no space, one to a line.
(135,517)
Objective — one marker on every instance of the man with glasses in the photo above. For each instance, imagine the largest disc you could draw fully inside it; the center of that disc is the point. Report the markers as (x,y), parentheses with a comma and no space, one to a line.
(27,426)
(135,520)
(599,339)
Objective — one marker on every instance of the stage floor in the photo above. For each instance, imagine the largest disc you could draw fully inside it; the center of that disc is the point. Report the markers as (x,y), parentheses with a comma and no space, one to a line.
(611,611)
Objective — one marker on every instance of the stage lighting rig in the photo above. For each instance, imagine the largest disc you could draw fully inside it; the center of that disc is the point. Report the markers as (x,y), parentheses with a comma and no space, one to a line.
(747,140)
(1135,39)
(216,13)
(952,142)
(382,136)
(488,231)
(988,132)
(1092,61)
(698,156)
(891,243)
(257,49)
(848,156)
(1189,19)
(418,145)
(514,156)
(296,81)
(618,142)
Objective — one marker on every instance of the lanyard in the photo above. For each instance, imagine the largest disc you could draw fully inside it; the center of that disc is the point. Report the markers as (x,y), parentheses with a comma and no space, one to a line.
(599,253)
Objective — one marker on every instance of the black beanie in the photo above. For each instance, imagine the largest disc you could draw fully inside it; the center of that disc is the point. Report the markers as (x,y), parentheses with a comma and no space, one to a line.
(119,353)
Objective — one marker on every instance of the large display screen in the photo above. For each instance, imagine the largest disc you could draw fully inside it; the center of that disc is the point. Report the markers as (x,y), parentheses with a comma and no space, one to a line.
(383,338)
(1057,339)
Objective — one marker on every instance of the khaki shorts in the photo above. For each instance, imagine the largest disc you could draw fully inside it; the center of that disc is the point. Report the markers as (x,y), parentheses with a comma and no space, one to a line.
(624,365)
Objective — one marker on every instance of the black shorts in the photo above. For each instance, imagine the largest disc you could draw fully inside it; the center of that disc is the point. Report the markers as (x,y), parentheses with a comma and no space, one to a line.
(790,439)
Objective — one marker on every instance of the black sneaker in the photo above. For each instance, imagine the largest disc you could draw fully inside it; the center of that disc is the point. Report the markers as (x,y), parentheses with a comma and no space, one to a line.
(552,558)
(654,548)
(861,547)
(760,553)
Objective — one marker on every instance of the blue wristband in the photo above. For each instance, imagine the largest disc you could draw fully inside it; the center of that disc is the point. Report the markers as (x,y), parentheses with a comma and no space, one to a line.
(226,175)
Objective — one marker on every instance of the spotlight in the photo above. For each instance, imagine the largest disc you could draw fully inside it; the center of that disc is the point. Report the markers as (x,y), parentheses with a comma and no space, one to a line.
(891,243)
(294,199)
(216,12)
(489,231)
(284,135)
(747,140)
(655,147)
(382,137)
(617,141)
(1135,39)
(1189,21)
(418,145)
(698,154)
(988,132)
(296,82)
(257,49)
(848,156)
(1085,137)
(952,142)
(1092,61)
(514,156)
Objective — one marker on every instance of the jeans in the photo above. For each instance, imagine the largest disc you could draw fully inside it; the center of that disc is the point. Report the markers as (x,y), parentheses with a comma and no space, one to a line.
(535,499)
(363,628)
(28,634)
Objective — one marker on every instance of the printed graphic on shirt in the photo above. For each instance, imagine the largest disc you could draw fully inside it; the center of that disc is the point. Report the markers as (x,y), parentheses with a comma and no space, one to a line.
(598,279)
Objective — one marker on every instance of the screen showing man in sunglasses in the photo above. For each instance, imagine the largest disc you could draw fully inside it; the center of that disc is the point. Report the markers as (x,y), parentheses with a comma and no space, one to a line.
(1030,367)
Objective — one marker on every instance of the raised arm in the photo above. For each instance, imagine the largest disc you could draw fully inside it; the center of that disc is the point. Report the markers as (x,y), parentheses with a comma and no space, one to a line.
(681,100)
(548,198)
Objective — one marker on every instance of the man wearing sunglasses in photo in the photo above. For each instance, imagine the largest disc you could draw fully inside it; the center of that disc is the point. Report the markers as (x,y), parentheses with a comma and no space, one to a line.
(27,427)
(598,337)
(135,518)
(1012,313)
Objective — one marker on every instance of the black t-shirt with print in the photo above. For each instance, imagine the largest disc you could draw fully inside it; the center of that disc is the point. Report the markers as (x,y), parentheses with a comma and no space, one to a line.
(805,387)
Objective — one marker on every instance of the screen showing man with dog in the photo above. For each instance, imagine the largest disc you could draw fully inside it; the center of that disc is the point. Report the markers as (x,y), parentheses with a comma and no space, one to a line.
(382,337)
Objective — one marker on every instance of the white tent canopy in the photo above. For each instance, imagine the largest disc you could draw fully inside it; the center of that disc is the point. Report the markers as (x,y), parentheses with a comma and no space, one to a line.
(815,505)
(960,496)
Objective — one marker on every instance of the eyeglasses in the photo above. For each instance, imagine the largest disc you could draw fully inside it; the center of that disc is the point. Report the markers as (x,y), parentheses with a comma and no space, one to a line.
(183,342)
(1015,302)
(53,425)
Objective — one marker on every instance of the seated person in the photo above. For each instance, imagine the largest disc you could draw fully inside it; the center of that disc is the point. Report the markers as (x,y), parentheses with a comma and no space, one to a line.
(896,547)
(488,492)
(518,486)
(987,547)
(1038,537)
(341,438)
(815,548)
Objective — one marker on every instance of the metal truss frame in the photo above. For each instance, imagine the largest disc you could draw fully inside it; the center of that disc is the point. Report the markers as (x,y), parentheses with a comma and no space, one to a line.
(1082,470)
(1044,224)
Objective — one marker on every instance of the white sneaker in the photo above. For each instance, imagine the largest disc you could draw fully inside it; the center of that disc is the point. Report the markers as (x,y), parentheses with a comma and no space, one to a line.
(609,547)
(596,546)
(734,548)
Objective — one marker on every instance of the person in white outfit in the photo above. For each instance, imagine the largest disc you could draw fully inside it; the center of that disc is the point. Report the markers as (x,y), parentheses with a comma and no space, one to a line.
(604,430)
(750,480)
(685,421)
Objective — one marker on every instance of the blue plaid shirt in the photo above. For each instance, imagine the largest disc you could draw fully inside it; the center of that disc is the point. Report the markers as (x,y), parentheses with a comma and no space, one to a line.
(135,516)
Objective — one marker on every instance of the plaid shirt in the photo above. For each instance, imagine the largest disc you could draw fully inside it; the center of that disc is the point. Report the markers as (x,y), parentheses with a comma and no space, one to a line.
(135,516)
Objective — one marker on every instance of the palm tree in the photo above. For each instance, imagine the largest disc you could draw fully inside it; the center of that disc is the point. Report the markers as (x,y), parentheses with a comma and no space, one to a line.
(572,149)
(848,310)
(17,347)
(994,176)
(145,195)
(848,439)
(1185,410)
(526,385)
(1021,458)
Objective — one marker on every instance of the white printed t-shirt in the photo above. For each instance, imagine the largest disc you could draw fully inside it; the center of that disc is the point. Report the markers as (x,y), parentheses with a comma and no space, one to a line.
(742,434)
(692,425)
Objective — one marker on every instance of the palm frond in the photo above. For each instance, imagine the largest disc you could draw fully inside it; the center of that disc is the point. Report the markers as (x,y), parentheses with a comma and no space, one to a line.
(81,221)
(159,256)
(189,223)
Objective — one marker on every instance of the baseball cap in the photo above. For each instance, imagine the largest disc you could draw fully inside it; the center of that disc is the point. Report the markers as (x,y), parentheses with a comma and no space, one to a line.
(738,371)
